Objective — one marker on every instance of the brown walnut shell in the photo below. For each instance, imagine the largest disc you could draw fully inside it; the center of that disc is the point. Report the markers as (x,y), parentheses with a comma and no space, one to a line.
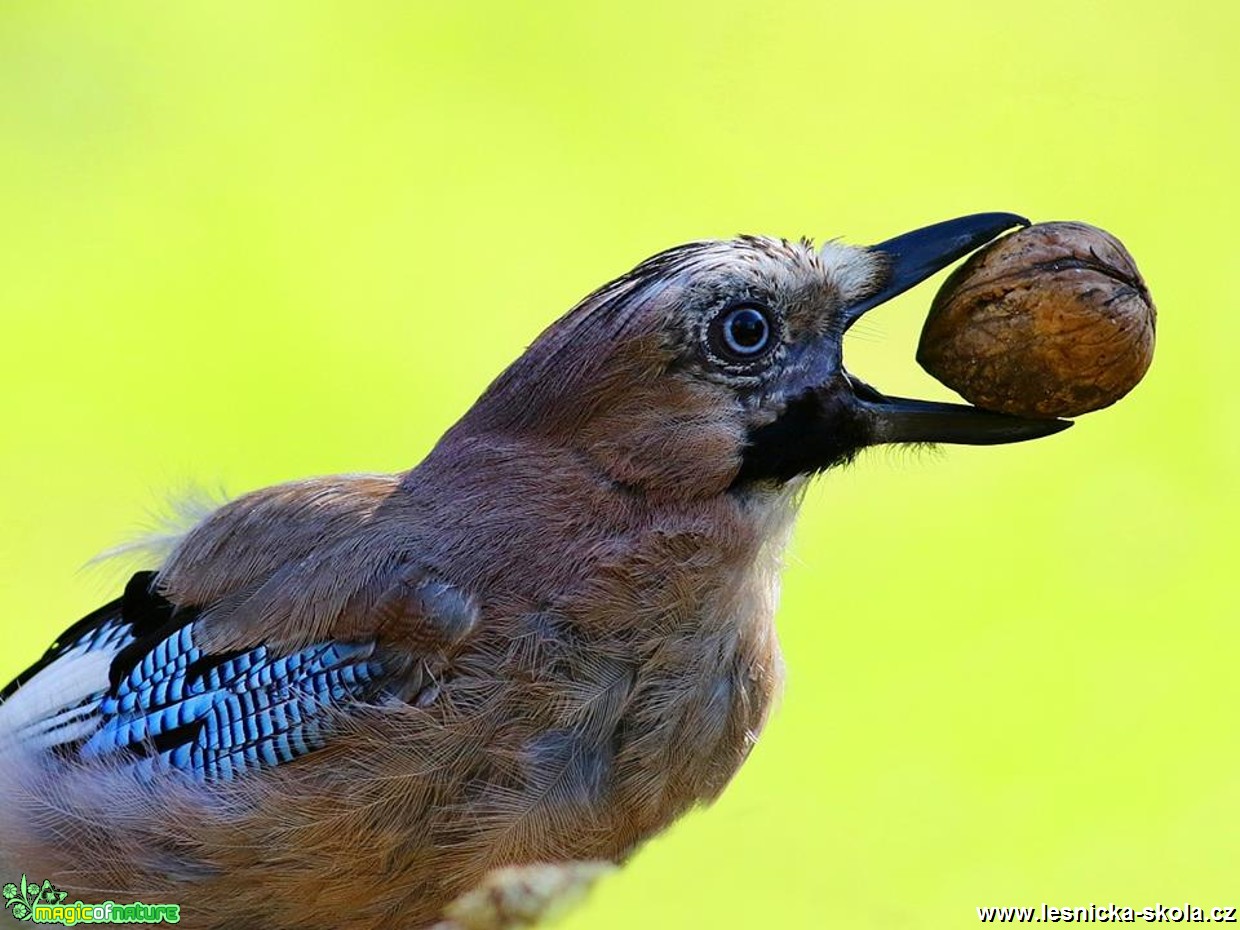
(1053,320)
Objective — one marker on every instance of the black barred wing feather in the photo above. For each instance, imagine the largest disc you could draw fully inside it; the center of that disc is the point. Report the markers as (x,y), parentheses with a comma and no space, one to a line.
(217,716)
(131,682)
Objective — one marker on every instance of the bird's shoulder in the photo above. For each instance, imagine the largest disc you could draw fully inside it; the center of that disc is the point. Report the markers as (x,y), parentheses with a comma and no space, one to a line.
(342,557)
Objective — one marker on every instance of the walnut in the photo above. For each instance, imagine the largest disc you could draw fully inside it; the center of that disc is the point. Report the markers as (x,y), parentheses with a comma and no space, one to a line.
(1053,320)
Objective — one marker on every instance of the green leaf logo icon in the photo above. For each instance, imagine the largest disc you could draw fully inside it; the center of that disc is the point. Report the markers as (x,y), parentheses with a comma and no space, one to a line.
(22,898)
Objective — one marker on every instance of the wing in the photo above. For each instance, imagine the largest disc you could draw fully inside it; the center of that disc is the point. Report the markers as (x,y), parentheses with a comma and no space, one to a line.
(140,680)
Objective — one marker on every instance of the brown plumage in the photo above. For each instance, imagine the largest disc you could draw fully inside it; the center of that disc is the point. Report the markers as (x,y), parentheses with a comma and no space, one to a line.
(567,608)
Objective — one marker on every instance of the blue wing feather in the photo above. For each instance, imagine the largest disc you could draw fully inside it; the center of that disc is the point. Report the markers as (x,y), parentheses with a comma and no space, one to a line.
(169,705)
(250,710)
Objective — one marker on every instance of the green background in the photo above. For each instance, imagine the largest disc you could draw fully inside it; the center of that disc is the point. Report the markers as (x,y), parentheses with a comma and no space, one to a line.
(243,243)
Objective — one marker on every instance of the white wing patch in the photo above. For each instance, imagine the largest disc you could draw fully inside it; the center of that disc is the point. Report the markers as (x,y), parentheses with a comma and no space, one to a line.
(60,703)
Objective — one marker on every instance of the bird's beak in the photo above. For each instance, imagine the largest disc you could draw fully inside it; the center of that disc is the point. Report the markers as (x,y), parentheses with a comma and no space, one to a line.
(910,259)
(827,423)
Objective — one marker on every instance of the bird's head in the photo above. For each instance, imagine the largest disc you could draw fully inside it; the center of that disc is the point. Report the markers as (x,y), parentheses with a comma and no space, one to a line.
(718,365)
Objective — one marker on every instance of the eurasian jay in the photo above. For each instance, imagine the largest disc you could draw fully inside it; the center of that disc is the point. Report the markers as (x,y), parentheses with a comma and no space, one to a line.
(344,701)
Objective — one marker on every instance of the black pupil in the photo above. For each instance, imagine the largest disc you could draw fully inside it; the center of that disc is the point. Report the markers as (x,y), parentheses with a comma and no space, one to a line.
(746,330)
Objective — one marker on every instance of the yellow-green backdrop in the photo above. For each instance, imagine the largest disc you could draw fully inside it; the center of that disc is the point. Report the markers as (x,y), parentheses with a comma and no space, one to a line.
(246,242)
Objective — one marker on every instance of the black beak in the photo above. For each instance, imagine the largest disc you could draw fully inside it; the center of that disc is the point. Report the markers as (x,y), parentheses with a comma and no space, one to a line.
(911,259)
(914,256)
(900,419)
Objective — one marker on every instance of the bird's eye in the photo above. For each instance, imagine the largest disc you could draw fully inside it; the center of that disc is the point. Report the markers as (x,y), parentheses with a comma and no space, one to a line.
(741,334)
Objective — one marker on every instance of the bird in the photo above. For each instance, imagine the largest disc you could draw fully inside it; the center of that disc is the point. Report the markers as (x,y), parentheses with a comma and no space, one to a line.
(345,701)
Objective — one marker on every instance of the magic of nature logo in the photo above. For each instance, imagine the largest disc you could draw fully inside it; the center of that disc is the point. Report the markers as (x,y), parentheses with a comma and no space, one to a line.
(45,904)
